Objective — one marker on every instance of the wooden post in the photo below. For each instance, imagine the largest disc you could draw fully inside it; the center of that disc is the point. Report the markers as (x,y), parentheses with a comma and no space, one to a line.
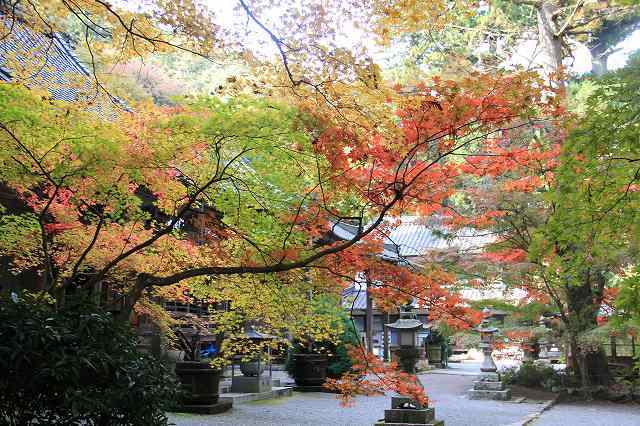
(386,339)
(369,320)
(614,350)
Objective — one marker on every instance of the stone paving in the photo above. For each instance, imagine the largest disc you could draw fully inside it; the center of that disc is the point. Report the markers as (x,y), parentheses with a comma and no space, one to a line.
(447,391)
(596,413)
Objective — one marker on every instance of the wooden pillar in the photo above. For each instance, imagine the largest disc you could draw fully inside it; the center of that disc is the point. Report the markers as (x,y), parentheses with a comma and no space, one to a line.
(614,350)
(368,324)
(386,339)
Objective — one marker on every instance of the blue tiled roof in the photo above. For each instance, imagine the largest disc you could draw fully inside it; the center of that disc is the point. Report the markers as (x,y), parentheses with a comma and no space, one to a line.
(414,238)
(56,62)
(48,61)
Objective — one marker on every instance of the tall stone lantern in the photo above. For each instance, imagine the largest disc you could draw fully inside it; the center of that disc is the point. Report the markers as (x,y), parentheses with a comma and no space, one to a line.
(489,385)
(407,326)
(487,339)
(405,410)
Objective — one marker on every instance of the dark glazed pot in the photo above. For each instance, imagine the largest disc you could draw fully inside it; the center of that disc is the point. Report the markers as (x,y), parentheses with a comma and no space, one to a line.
(200,382)
(252,368)
(310,369)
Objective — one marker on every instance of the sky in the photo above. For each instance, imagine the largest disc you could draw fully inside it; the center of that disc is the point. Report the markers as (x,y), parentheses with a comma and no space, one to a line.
(581,63)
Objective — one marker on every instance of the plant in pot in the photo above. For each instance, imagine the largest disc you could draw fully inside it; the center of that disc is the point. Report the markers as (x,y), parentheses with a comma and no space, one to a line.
(199,377)
(437,347)
(315,349)
(341,362)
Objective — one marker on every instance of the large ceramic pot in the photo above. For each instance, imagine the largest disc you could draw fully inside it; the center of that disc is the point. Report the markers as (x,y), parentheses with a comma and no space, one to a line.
(434,354)
(200,382)
(252,368)
(310,369)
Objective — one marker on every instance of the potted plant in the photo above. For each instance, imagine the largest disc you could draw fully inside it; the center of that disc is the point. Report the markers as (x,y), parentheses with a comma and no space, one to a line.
(200,379)
(307,364)
(320,350)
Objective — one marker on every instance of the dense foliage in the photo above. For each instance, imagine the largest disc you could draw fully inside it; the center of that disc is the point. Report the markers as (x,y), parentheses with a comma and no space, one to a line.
(76,366)
(232,195)
(535,375)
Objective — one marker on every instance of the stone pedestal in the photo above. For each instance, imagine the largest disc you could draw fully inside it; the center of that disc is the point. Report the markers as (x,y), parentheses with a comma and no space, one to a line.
(251,384)
(407,412)
(489,386)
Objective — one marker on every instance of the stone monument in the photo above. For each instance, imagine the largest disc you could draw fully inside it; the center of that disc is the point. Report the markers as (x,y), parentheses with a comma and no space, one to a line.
(407,412)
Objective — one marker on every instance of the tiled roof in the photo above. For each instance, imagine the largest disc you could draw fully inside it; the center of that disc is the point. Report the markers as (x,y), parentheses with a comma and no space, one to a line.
(411,239)
(414,238)
(48,59)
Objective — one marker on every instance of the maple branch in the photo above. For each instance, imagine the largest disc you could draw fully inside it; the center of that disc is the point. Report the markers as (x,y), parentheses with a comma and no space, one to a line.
(130,29)
(278,267)
(430,303)
(567,22)
(219,176)
(87,249)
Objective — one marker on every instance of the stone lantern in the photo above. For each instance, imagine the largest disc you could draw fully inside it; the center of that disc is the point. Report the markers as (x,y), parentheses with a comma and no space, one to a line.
(404,410)
(407,327)
(487,339)
(252,379)
(489,385)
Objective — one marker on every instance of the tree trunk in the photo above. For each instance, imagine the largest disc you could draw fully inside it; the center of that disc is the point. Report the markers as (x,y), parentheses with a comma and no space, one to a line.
(132,298)
(551,44)
(583,304)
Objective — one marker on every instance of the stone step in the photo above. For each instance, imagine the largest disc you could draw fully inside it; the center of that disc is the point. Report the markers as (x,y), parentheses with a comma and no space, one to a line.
(489,377)
(275,392)
(409,415)
(498,395)
(481,385)
(217,408)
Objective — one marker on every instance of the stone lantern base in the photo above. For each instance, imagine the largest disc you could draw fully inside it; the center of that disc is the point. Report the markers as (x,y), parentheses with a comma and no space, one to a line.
(406,412)
(489,386)
(251,384)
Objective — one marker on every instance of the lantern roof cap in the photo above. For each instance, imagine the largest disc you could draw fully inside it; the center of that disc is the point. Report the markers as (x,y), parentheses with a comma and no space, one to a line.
(406,324)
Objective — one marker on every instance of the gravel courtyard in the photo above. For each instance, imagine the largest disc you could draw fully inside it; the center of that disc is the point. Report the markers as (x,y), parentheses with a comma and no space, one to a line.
(596,413)
(446,391)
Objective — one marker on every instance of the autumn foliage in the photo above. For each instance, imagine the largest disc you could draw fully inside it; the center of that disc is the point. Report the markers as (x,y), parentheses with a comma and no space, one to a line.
(370,376)
(219,196)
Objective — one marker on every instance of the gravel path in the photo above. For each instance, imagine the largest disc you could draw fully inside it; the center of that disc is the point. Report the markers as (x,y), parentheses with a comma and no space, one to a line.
(597,413)
(448,393)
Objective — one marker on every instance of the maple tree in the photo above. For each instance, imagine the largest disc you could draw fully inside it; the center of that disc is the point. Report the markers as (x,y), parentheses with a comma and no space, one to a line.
(552,239)
(160,200)
(562,206)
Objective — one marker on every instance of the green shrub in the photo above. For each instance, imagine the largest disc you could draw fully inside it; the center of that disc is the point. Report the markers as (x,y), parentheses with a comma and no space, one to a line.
(339,360)
(76,366)
(533,375)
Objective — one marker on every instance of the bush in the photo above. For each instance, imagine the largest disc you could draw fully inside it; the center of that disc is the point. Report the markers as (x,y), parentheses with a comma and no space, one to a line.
(339,360)
(76,366)
(533,375)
